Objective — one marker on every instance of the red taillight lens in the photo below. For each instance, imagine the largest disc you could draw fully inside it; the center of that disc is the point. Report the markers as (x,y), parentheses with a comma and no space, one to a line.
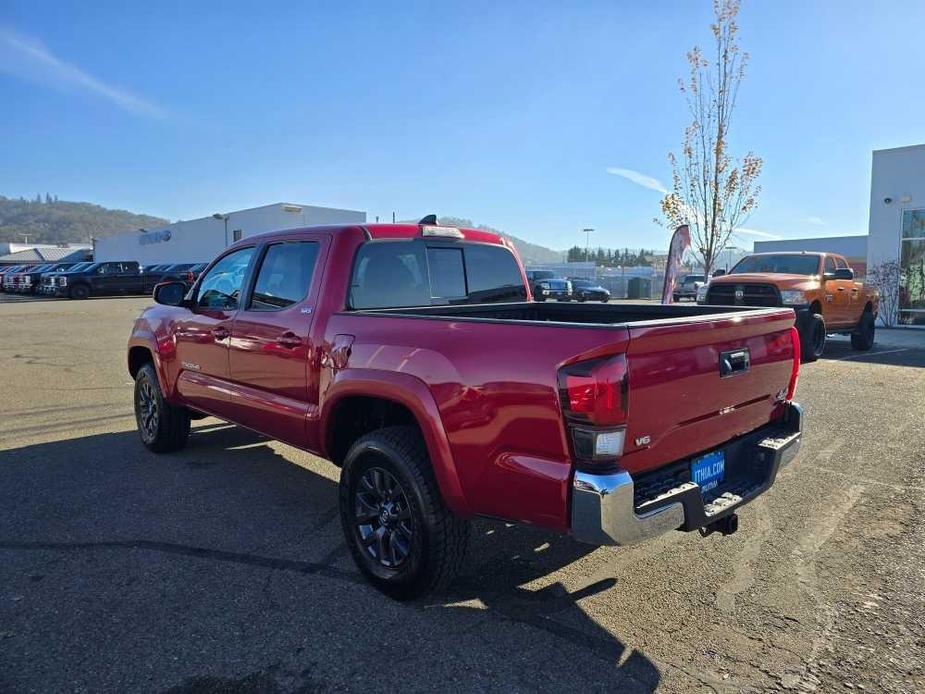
(795,369)
(595,391)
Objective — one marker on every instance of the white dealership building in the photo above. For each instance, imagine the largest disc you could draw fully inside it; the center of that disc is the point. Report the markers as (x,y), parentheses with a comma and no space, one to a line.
(897,224)
(200,240)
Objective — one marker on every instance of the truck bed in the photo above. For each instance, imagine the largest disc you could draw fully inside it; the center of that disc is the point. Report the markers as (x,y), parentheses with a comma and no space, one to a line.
(575,313)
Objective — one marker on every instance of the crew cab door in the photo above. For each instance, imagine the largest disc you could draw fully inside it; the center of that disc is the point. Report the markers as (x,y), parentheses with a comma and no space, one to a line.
(272,353)
(837,295)
(203,333)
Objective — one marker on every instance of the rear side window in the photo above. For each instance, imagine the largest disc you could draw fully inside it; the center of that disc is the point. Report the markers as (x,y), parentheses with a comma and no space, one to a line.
(394,274)
(284,276)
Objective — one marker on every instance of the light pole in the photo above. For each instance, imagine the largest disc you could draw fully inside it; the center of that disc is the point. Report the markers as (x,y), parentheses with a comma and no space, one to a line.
(224,218)
(587,232)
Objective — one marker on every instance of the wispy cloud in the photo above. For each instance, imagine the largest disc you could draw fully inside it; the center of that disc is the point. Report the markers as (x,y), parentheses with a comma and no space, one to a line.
(27,59)
(640,179)
(757,232)
(818,221)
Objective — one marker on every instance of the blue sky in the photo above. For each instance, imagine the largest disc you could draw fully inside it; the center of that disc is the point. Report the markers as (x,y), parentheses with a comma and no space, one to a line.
(507,113)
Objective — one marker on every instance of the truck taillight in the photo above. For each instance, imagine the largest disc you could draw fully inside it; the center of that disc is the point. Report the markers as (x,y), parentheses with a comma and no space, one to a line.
(594,400)
(795,369)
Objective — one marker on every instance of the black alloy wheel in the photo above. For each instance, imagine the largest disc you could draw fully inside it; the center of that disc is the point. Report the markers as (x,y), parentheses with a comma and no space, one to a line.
(147,411)
(383,517)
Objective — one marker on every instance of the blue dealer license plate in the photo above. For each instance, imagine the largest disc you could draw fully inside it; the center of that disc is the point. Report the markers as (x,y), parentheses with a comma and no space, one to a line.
(708,470)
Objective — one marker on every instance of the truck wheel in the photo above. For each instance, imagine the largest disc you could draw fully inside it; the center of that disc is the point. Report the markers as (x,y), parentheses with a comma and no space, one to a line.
(812,340)
(403,538)
(79,291)
(675,298)
(163,427)
(863,338)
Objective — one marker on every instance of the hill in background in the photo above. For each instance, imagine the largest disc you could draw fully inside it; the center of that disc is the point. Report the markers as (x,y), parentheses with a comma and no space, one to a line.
(529,252)
(49,220)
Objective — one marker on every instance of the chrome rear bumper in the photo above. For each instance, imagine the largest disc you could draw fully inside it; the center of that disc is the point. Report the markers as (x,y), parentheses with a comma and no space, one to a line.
(604,505)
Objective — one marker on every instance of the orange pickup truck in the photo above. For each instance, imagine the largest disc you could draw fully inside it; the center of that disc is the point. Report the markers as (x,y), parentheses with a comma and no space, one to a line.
(820,287)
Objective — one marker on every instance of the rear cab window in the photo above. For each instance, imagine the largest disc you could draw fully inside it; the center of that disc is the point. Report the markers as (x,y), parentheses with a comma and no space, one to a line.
(405,273)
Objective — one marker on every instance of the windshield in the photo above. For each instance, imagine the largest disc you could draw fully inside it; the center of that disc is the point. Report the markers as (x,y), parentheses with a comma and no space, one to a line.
(778,264)
(690,279)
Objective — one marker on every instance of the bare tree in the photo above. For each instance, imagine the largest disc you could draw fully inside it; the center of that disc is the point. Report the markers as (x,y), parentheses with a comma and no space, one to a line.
(709,193)
(886,278)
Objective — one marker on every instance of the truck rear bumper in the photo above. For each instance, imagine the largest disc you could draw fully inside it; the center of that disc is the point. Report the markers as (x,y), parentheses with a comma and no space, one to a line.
(608,509)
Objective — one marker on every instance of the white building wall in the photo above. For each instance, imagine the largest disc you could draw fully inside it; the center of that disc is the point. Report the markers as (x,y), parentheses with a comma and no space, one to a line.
(897,174)
(200,240)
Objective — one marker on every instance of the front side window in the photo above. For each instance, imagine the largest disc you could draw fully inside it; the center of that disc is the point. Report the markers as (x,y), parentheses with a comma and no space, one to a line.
(285,275)
(829,265)
(221,286)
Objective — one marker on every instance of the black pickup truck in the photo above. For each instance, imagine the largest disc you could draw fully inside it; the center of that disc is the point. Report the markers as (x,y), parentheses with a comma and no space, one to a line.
(112,278)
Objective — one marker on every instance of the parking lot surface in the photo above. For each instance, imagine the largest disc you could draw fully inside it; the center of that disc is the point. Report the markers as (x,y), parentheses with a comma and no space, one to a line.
(222,568)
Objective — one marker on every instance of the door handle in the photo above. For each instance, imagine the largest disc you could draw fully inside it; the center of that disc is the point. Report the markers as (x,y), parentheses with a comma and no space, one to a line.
(841,289)
(289,340)
(220,333)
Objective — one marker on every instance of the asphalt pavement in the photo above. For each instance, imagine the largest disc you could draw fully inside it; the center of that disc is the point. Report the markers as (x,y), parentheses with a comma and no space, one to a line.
(222,568)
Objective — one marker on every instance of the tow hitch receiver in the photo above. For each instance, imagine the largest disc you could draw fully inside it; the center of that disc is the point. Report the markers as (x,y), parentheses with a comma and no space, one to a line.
(725,526)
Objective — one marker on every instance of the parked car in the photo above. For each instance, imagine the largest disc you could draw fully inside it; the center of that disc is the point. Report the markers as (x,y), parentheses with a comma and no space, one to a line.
(380,348)
(30,282)
(688,286)
(585,290)
(183,272)
(48,283)
(558,289)
(111,278)
(11,279)
(4,271)
(820,287)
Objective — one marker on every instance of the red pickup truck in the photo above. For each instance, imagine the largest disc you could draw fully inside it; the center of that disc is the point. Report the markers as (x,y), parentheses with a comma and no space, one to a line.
(413,357)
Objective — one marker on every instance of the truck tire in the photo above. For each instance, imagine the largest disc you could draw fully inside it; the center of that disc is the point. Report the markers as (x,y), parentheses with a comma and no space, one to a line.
(402,536)
(863,338)
(79,291)
(676,298)
(812,340)
(163,427)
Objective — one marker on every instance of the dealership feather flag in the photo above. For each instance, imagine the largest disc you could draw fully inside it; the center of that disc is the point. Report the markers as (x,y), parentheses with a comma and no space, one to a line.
(680,242)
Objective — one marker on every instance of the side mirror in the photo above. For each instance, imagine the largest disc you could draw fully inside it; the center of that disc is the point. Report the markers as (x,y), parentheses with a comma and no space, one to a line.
(844,273)
(719,273)
(170,293)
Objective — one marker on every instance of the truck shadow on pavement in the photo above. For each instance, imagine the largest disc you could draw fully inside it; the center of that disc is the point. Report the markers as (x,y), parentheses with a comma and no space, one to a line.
(885,354)
(230,499)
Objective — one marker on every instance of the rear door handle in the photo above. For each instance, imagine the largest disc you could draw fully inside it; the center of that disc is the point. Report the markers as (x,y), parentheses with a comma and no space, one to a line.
(289,340)
(220,333)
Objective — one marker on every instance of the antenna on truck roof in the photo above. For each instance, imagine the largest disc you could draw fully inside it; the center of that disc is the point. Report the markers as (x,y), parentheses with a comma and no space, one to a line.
(429,219)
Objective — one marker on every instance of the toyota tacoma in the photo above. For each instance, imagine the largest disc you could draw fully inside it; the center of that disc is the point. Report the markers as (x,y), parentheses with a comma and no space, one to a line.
(413,357)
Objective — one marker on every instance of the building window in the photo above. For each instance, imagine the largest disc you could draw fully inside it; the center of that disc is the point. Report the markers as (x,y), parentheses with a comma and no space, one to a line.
(236,235)
(912,269)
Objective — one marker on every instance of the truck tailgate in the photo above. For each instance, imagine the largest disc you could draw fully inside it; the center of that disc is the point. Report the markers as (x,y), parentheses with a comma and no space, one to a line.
(680,403)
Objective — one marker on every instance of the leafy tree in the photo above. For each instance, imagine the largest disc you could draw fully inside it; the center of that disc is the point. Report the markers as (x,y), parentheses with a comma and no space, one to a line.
(710,194)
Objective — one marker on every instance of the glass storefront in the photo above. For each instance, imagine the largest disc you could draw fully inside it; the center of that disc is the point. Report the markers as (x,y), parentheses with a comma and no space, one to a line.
(912,269)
